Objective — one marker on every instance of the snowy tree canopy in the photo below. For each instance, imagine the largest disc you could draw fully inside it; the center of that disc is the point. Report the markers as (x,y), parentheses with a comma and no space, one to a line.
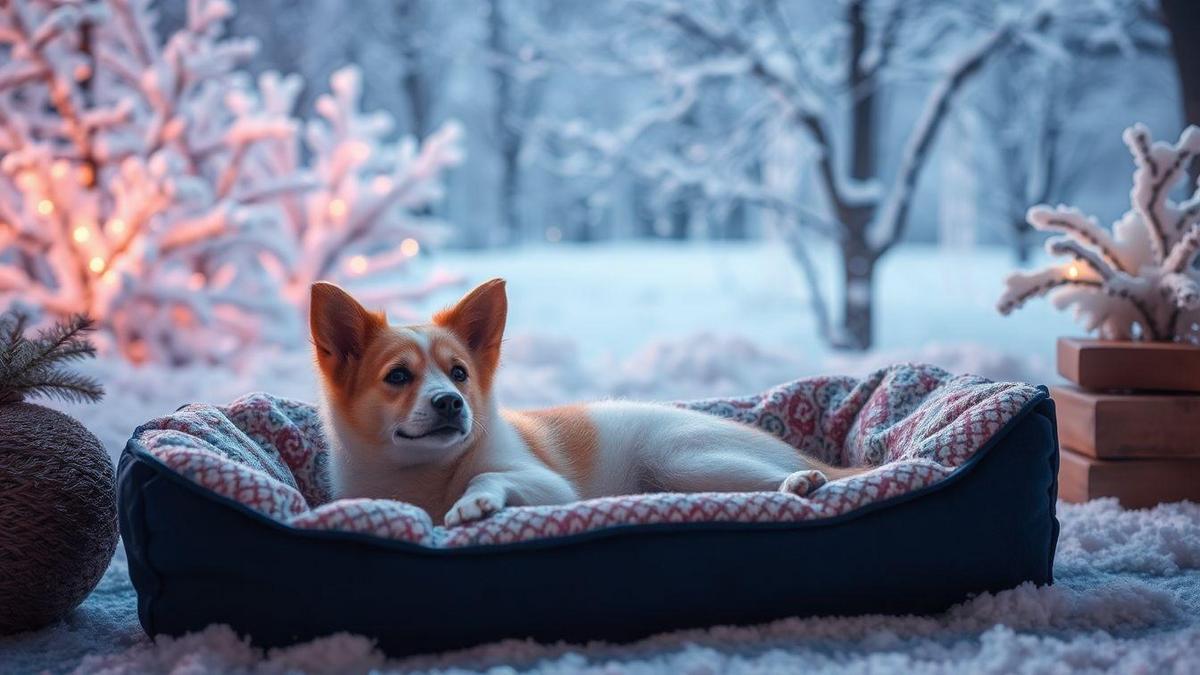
(747,108)
(148,182)
(1139,280)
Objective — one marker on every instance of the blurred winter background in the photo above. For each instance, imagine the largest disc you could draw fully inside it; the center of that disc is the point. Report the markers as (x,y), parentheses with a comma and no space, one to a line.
(688,198)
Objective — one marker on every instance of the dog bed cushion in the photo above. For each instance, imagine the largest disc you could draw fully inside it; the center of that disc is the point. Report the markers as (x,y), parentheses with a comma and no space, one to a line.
(260,461)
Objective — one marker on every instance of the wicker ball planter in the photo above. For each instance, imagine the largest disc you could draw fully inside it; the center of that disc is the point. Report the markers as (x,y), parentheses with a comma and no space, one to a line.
(58,507)
(58,515)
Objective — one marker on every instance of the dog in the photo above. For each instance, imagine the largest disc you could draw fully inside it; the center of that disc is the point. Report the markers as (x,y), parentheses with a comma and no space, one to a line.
(411,415)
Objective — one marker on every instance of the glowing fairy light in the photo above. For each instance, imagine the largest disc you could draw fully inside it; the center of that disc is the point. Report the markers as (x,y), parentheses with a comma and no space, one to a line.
(410,247)
(381,184)
(60,168)
(357,264)
(96,264)
(110,277)
(81,234)
(360,151)
(1072,271)
(45,207)
(337,207)
(116,226)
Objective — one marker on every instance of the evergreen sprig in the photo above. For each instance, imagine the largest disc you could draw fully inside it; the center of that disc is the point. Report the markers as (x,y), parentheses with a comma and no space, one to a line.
(36,366)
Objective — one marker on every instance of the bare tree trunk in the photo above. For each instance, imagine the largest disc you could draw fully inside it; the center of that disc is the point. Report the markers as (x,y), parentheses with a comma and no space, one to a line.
(507,140)
(414,86)
(1183,21)
(858,298)
(862,92)
(1022,236)
(856,330)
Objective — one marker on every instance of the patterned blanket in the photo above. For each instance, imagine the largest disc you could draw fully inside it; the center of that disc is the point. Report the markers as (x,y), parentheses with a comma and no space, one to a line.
(915,424)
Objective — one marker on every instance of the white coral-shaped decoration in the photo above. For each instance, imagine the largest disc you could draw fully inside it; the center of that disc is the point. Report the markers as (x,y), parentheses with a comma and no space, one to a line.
(1139,281)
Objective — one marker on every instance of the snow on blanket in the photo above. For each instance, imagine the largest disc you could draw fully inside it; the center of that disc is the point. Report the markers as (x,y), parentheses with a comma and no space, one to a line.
(914,423)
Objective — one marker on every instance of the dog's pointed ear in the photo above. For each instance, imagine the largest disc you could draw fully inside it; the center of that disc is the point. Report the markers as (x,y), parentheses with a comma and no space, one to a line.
(478,320)
(340,326)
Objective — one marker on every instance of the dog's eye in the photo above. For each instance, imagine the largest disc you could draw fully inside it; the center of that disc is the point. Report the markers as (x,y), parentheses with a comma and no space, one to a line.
(458,373)
(398,376)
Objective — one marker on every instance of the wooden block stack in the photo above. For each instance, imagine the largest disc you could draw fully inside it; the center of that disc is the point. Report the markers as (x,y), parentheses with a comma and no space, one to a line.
(1129,427)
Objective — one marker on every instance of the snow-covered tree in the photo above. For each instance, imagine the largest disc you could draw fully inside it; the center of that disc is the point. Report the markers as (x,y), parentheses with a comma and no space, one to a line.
(1035,107)
(149,183)
(784,80)
(1138,281)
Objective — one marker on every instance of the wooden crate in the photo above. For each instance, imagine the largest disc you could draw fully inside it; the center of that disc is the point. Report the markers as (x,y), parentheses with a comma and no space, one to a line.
(1116,426)
(1136,483)
(1108,365)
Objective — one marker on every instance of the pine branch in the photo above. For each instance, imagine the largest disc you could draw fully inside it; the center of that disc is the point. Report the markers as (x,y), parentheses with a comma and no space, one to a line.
(14,324)
(33,367)
(63,385)
(66,341)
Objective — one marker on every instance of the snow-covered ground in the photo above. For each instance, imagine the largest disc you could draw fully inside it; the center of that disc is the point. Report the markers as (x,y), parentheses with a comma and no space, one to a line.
(1126,599)
(665,321)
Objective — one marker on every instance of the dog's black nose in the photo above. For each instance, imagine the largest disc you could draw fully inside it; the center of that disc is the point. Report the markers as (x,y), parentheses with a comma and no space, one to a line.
(447,403)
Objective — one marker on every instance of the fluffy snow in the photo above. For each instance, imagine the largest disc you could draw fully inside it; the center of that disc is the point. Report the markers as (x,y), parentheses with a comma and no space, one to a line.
(664,322)
(1126,599)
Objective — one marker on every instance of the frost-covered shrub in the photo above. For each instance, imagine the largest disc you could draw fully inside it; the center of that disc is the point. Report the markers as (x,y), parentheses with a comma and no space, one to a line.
(148,182)
(1138,281)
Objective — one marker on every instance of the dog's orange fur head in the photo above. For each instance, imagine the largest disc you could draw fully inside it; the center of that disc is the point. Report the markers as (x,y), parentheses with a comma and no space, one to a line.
(413,394)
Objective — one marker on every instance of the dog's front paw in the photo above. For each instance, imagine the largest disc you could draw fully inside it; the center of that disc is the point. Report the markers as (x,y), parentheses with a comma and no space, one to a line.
(473,507)
(802,483)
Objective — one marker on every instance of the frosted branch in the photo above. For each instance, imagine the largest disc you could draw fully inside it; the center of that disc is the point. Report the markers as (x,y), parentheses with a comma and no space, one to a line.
(1074,223)
(1159,167)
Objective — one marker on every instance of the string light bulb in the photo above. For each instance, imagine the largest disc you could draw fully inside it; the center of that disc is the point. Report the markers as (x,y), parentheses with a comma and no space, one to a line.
(1072,271)
(410,247)
(81,234)
(381,184)
(337,207)
(45,207)
(357,264)
(96,264)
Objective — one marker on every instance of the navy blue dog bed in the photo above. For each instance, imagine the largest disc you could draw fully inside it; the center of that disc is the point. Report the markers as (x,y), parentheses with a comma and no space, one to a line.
(226,519)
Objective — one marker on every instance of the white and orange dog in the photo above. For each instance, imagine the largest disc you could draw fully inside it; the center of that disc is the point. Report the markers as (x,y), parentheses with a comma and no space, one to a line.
(411,415)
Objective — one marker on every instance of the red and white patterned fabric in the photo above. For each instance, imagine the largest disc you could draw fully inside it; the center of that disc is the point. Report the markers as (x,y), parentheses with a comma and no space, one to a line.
(914,423)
